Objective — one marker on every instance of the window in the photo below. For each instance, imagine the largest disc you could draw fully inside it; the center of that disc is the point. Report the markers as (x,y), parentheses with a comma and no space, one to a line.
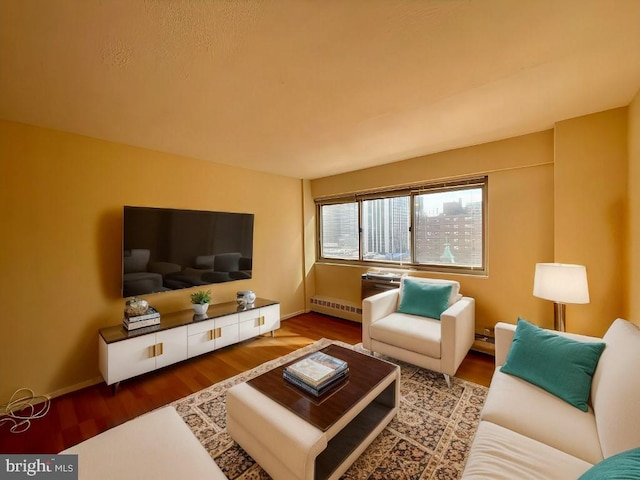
(431,227)
(385,230)
(440,218)
(340,239)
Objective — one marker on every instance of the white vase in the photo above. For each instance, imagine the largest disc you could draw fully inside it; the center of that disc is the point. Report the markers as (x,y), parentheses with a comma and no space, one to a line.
(245,298)
(200,308)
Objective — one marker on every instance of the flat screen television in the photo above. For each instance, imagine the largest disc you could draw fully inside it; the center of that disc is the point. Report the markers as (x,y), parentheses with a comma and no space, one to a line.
(167,249)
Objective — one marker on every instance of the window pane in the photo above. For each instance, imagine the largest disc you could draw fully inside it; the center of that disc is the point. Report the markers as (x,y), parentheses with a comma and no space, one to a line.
(448,228)
(385,230)
(340,231)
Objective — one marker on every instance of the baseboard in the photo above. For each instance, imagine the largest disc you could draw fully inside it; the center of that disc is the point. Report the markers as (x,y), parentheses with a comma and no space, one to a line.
(78,386)
(37,399)
(291,315)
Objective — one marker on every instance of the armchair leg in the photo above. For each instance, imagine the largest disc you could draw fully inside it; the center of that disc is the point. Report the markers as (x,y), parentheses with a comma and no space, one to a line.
(447,379)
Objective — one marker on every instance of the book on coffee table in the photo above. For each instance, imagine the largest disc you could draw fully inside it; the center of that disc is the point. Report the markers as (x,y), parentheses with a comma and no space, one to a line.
(317,369)
(322,388)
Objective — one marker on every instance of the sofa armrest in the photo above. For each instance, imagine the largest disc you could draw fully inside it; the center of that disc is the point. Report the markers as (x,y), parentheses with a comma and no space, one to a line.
(158,444)
(504,336)
(458,333)
(375,308)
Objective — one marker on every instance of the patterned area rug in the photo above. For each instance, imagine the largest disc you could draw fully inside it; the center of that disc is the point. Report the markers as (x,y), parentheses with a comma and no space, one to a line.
(429,439)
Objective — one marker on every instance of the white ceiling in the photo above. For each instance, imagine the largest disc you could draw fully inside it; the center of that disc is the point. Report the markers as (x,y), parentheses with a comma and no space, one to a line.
(313,88)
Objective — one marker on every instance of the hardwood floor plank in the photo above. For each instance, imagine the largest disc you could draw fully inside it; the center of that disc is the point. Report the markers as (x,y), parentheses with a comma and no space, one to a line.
(80,415)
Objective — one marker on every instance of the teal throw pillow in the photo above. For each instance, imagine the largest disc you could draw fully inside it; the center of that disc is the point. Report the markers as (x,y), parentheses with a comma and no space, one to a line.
(560,365)
(623,466)
(424,299)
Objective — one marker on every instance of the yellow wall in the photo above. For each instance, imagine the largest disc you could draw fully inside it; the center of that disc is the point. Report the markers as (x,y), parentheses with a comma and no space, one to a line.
(61,198)
(566,195)
(591,211)
(520,222)
(308,249)
(633,266)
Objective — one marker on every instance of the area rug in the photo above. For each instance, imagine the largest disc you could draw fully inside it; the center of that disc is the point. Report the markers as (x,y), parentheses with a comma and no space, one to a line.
(429,438)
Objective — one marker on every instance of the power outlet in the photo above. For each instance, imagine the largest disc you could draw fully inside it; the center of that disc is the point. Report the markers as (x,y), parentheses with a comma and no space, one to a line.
(488,332)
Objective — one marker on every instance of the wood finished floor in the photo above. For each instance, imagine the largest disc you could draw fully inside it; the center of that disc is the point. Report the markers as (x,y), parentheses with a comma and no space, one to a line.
(83,414)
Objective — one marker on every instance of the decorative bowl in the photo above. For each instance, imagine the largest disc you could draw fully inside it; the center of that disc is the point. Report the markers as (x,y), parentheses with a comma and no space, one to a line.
(136,306)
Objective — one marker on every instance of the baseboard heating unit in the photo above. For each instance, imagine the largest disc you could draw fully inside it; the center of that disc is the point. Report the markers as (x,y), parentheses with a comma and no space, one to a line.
(336,307)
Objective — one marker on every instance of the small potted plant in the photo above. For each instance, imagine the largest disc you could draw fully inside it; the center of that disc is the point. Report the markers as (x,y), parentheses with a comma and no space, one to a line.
(200,300)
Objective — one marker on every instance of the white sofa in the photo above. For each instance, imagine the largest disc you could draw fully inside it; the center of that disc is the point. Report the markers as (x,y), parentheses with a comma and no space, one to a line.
(157,445)
(438,344)
(527,433)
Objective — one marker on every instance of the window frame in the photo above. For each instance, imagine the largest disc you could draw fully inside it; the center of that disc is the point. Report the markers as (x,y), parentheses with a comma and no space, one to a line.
(412,191)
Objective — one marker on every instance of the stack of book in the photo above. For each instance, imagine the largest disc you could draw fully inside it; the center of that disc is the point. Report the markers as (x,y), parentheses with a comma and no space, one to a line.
(317,373)
(147,319)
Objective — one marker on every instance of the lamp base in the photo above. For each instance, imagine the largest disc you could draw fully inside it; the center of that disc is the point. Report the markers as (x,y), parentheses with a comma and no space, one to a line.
(558,316)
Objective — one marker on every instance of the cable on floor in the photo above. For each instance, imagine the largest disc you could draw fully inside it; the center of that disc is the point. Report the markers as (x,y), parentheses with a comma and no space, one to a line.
(23,407)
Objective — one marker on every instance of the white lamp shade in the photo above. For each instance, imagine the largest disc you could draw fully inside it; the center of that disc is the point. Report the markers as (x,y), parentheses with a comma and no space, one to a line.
(561,282)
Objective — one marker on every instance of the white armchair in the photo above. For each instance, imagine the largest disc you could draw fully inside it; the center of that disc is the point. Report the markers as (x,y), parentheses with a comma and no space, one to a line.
(436,344)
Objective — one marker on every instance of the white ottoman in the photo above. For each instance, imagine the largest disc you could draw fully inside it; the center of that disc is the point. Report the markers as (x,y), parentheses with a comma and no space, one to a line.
(158,445)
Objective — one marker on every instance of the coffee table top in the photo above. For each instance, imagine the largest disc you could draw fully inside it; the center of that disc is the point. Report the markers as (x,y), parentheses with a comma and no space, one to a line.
(365,373)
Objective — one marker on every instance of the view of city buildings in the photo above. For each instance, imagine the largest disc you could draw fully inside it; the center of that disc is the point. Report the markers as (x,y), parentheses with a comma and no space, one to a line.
(451,237)
(339,228)
(385,230)
(447,231)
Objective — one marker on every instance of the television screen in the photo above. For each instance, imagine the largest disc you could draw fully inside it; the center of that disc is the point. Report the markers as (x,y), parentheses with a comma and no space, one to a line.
(168,249)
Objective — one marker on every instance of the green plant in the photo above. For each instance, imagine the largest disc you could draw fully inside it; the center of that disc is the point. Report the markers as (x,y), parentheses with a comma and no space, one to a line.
(201,297)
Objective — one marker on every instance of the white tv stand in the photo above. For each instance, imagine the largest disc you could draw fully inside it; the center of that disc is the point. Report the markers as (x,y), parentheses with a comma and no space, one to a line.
(125,354)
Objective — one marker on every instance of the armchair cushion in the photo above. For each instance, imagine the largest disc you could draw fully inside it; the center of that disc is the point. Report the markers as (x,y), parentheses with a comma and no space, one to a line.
(560,365)
(424,298)
(413,333)
(455,286)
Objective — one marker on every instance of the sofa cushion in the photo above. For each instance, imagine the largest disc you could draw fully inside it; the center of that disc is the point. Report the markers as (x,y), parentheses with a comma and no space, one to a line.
(532,411)
(615,394)
(455,286)
(622,466)
(558,364)
(424,298)
(498,453)
(417,334)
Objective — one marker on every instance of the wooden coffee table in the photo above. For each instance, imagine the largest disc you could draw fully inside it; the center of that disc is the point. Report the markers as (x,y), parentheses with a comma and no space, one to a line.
(292,434)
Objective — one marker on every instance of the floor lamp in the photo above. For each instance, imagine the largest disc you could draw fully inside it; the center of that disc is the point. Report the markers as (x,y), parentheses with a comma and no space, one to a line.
(561,283)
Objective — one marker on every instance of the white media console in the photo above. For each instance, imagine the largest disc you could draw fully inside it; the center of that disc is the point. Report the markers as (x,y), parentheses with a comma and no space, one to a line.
(181,335)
